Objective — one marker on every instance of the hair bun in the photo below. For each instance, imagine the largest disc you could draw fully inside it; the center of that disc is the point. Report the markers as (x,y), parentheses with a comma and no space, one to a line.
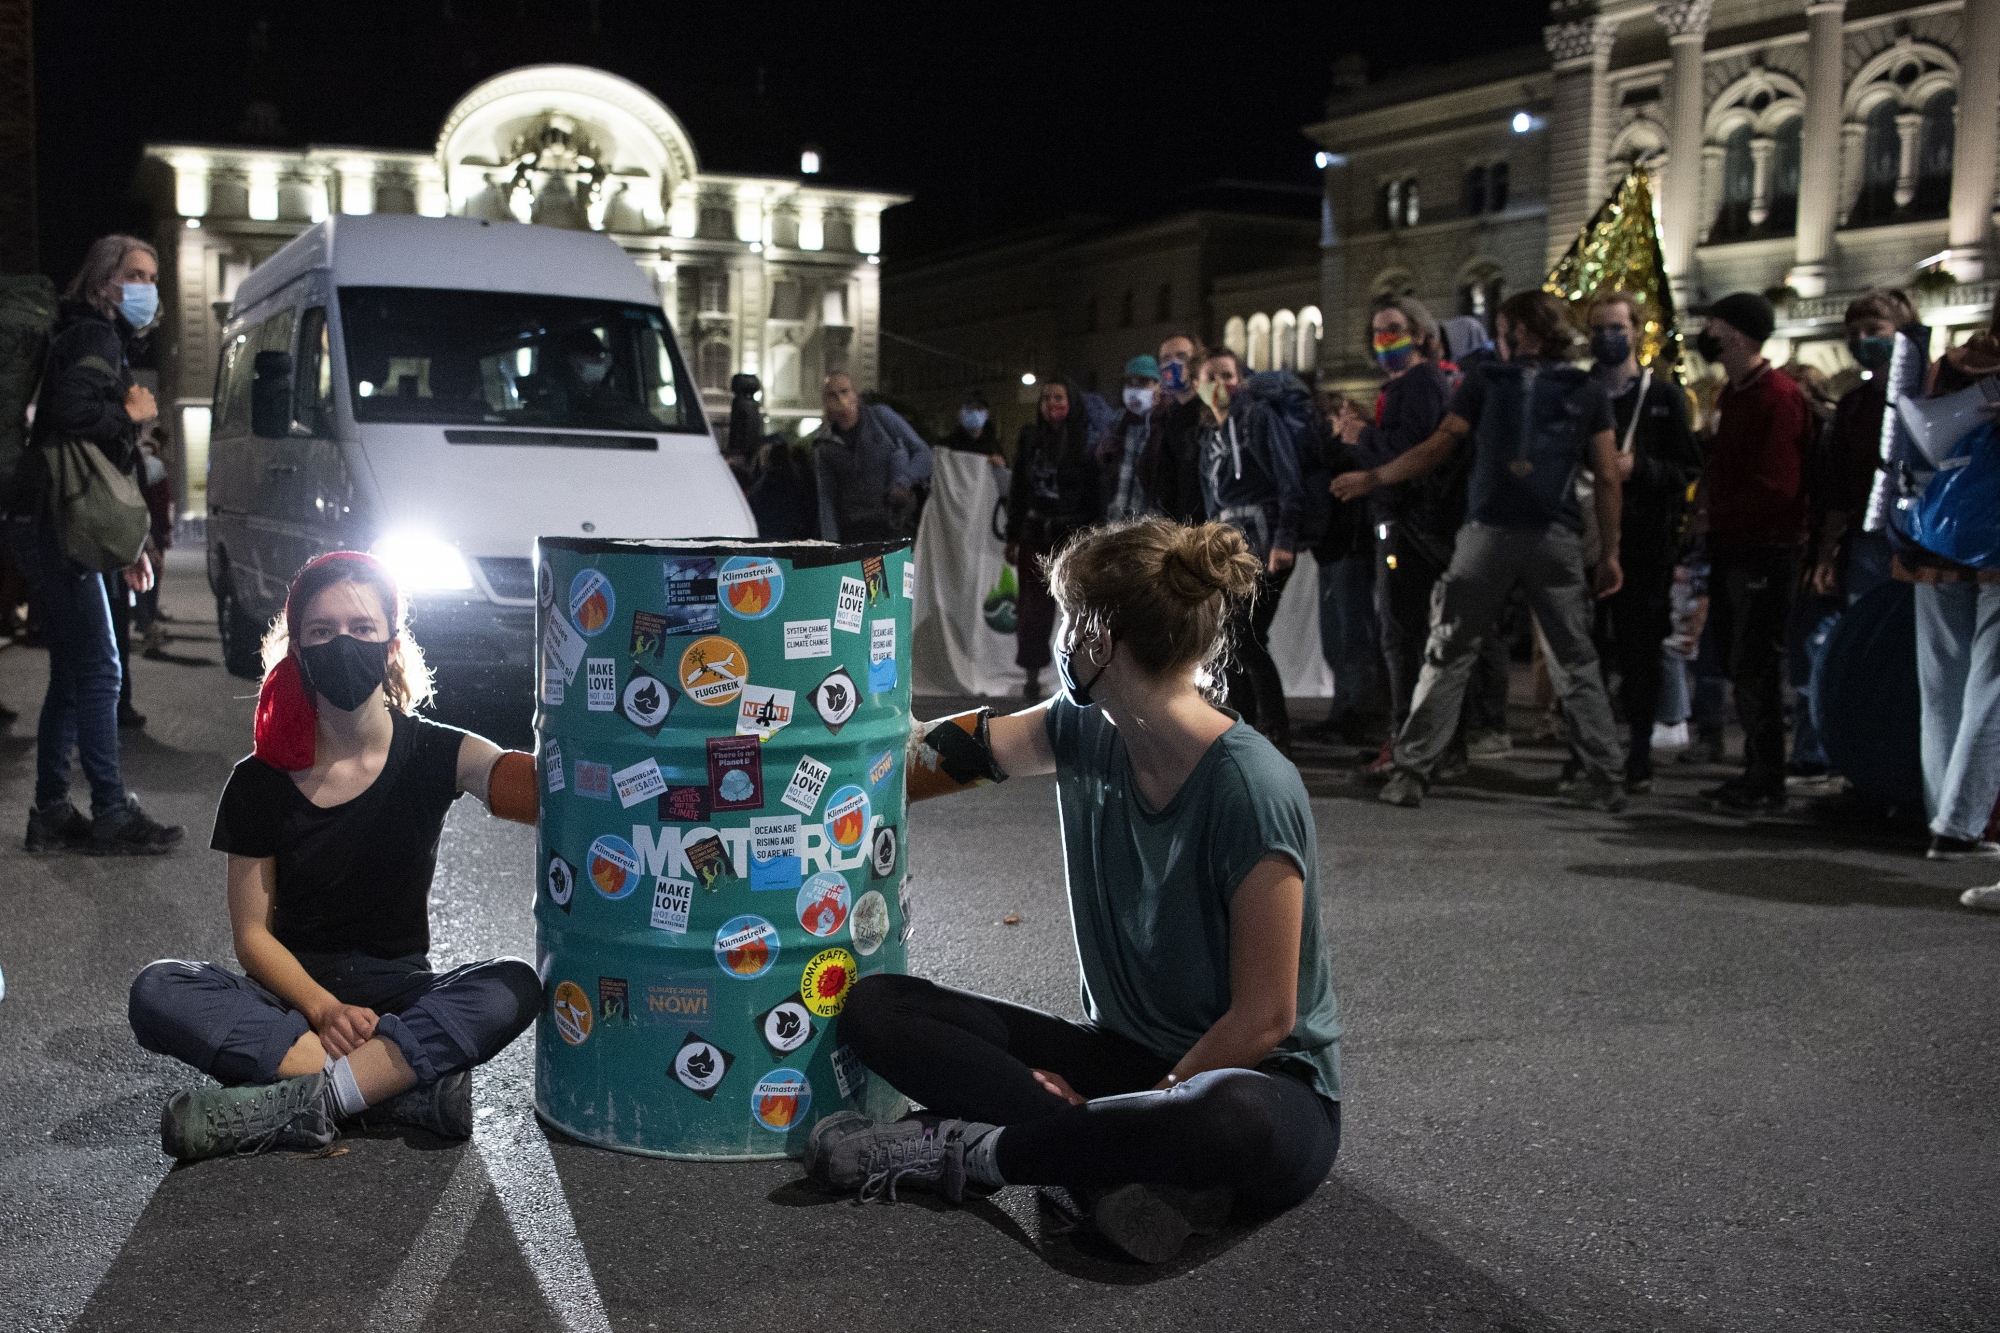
(1208,559)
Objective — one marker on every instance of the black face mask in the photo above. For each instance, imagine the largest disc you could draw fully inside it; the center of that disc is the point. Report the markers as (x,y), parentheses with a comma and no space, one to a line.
(345,670)
(1708,345)
(1078,694)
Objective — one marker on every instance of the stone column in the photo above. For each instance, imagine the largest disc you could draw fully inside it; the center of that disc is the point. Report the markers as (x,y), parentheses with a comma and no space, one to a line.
(1909,134)
(1978,140)
(1853,150)
(1819,150)
(1579,125)
(1686,25)
(1714,159)
(1761,149)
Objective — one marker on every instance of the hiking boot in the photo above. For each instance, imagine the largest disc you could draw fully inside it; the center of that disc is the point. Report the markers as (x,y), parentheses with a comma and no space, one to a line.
(1589,793)
(1489,745)
(221,1122)
(1960,849)
(130,831)
(848,1152)
(444,1107)
(1403,788)
(1985,898)
(61,828)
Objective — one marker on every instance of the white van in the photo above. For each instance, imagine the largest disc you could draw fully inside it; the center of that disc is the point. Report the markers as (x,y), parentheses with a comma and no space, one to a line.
(442,391)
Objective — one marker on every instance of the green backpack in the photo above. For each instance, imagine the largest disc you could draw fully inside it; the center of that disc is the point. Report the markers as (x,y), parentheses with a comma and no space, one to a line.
(27,319)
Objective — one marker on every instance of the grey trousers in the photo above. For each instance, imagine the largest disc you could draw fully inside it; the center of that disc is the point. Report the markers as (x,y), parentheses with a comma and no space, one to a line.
(1486,563)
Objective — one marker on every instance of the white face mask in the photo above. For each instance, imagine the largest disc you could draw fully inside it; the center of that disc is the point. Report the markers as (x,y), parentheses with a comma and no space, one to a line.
(590,370)
(972,418)
(1139,401)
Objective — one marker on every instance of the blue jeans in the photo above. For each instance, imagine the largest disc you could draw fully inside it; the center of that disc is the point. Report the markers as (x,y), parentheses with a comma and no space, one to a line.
(237,1032)
(1813,621)
(1349,635)
(1958,671)
(80,710)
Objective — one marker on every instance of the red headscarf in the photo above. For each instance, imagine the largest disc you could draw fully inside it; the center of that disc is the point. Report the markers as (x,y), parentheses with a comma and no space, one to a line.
(287,718)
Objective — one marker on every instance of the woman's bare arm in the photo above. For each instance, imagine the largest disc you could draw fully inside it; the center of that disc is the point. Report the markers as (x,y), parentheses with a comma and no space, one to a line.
(253,885)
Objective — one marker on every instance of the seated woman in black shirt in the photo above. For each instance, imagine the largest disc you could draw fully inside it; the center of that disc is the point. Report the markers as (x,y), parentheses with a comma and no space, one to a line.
(332,829)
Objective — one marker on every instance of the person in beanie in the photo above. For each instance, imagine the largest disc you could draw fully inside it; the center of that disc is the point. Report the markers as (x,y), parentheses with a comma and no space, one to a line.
(88,392)
(1755,498)
(1124,441)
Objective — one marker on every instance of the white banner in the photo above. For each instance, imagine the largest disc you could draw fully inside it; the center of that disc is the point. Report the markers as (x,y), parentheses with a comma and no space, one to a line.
(952,650)
(955,652)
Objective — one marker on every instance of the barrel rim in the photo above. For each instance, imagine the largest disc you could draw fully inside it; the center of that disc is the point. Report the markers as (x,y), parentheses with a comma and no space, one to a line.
(802,554)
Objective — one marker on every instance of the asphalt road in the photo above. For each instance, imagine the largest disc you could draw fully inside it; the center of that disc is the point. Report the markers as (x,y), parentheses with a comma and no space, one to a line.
(1651,1071)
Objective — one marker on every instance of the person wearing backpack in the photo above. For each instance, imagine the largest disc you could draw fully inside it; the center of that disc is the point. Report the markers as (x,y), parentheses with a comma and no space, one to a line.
(87,393)
(1756,496)
(1534,421)
(1251,480)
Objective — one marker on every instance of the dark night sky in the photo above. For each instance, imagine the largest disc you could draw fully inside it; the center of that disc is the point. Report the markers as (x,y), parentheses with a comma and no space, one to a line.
(996,116)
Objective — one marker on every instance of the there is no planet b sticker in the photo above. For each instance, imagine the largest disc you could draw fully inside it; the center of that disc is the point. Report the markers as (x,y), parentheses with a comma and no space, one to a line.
(592,603)
(780,1099)
(751,586)
(746,947)
(614,866)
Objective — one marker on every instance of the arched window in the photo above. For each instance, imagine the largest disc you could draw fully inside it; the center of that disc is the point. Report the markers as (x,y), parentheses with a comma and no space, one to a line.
(1310,326)
(1472,192)
(1783,219)
(1389,204)
(1934,155)
(1259,355)
(1410,212)
(1739,185)
(1881,159)
(1232,336)
(1285,340)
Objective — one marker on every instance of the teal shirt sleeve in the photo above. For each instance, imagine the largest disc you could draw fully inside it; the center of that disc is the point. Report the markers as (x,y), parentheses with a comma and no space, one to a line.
(1260,809)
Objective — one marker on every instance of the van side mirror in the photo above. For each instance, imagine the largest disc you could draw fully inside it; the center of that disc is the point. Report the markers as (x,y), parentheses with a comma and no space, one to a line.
(271,396)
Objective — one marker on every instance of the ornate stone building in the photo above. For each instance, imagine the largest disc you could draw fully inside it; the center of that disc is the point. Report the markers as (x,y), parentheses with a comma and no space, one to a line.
(1811,148)
(775,276)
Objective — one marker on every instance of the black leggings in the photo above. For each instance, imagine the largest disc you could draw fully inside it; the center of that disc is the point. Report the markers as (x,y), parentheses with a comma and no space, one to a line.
(1269,1137)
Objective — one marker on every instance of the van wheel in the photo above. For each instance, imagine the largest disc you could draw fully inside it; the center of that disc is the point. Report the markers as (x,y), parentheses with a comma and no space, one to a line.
(241,654)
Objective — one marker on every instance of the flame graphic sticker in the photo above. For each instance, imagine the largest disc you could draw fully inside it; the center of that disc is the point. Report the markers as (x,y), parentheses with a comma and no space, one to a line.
(751,586)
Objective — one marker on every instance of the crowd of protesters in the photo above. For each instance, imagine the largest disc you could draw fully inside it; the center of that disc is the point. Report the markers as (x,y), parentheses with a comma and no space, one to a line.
(1660,543)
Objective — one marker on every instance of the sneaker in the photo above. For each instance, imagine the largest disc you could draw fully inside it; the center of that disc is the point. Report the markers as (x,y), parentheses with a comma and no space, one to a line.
(1403,788)
(1670,738)
(1985,898)
(1382,767)
(1452,766)
(61,829)
(130,831)
(1489,745)
(1737,797)
(443,1107)
(221,1122)
(850,1153)
(1960,849)
(1588,793)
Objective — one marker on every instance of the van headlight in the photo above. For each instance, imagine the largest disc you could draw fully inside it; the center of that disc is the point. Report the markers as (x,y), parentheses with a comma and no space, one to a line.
(422,563)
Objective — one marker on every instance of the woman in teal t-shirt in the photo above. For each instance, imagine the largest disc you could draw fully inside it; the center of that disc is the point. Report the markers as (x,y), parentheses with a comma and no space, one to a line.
(1206,1071)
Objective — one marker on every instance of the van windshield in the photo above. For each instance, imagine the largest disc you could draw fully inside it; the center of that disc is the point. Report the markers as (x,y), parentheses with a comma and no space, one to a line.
(511,359)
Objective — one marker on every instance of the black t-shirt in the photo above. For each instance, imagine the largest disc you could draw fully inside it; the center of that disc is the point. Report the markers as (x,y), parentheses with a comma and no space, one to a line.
(355,878)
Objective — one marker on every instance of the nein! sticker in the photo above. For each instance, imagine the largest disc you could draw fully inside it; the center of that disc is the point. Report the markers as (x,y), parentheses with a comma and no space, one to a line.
(764,711)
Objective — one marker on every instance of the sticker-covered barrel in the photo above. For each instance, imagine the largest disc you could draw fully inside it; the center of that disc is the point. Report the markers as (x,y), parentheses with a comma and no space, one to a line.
(720,742)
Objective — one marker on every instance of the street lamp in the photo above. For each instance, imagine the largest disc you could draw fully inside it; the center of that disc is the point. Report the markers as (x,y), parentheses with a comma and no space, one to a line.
(1028,380)
(1523,122)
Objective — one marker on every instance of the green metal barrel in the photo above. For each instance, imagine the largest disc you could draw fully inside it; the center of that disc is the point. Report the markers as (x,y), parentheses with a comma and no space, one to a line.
(720,744)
